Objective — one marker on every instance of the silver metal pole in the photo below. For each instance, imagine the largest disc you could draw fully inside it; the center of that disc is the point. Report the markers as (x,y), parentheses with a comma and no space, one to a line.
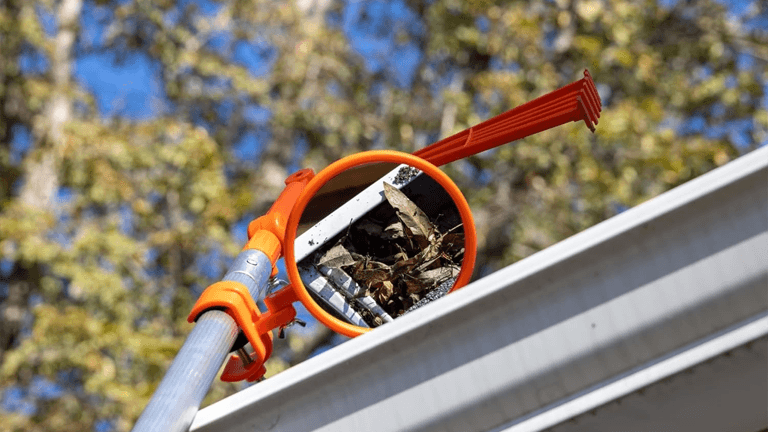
(175,402)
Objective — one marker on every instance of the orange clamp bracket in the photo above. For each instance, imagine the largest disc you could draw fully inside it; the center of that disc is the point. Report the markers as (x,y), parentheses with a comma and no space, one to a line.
(575,102)
(266,233)
(236,301)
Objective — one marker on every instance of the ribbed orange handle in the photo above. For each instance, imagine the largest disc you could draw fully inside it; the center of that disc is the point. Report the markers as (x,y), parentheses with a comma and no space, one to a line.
(575,102)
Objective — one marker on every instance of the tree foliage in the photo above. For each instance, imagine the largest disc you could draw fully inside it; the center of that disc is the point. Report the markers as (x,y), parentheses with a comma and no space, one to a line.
(111,226)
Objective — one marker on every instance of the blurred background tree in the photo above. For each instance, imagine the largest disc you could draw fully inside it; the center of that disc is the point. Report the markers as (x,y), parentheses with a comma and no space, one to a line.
(138,138)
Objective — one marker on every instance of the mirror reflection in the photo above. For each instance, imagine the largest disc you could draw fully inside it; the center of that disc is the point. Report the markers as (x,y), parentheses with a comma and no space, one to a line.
(378,241)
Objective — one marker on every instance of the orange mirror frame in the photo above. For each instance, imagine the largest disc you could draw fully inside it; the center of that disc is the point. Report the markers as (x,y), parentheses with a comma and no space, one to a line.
(358,159)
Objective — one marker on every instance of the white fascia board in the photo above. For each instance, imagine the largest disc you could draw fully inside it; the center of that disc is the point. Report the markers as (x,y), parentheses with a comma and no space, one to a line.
(667,411)
(728,392)
(635,288)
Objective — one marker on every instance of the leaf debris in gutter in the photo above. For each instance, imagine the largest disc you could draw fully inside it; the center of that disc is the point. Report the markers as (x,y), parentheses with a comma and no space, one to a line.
(398,254)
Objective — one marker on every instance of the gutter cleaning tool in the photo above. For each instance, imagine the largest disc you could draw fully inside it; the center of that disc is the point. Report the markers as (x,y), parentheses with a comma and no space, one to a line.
(347,298)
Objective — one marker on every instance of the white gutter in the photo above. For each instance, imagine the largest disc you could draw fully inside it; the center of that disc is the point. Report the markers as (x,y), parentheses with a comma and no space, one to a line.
(651,283)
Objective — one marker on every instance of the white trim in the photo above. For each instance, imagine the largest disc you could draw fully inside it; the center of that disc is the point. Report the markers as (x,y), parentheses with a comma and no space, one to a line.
(643,376)
(620,295)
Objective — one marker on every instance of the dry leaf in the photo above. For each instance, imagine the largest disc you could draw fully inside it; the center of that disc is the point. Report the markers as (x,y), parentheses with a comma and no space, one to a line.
(414,220)
(453,239)
(392,260)
(394,231)
(413,285)
(385,291)
(370,273)
(436,276)
(335,257)
(453,243)
(431,252)
(405,266)
(428,264)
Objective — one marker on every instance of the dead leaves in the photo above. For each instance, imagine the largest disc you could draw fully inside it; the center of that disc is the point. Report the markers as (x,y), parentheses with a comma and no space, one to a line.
(370,273)
(385,292)
(336,257)
(413,218)
(397,253)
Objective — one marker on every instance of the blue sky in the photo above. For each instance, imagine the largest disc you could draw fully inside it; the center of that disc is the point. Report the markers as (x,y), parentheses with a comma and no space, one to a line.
(131,87)
(128,87)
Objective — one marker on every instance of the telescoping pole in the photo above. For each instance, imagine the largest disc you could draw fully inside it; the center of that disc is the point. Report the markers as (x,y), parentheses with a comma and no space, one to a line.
(175,402)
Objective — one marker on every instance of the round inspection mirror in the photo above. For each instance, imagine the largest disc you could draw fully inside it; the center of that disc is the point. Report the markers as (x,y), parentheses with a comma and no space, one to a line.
(376,235)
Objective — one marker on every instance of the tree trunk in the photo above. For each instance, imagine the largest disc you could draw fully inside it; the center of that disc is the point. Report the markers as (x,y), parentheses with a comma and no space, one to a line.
(41,173)
(41,167)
